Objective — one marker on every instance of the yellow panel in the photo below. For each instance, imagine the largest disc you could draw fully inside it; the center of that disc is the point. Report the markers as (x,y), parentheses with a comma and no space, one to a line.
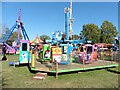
(56,51)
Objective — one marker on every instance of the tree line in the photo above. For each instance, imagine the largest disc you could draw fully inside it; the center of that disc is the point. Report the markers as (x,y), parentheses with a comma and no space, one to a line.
(105,34)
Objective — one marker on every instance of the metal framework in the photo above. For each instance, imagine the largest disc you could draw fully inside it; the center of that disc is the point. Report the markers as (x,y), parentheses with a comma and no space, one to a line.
(19,26)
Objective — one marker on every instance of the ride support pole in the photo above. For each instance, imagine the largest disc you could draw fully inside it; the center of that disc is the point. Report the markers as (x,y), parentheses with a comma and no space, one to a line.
(33,60)
(56,70)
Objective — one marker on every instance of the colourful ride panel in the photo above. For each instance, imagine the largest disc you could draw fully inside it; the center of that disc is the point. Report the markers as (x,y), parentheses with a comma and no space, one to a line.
(46,52)
(24,52)
(64,57)
(56,51)
(56,54)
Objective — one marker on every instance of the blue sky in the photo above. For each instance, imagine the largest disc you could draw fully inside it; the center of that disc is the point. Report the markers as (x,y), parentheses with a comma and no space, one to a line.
(46,17)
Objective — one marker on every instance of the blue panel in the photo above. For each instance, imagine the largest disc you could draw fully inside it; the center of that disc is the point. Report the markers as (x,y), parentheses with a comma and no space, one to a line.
(63,44)
(67,23)
(64,63)
(69,49)
(48,41)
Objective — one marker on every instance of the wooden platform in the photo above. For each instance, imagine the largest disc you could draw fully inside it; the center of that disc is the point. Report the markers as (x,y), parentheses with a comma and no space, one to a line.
(49,67)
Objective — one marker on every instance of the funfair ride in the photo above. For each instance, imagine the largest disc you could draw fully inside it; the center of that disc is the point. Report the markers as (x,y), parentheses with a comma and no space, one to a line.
(20,28)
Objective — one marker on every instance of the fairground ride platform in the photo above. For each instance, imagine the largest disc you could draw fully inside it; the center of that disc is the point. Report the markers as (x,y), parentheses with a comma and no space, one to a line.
(72,67)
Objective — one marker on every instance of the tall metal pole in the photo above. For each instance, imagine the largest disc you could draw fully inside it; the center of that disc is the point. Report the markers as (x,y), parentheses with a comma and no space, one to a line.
(19,26)
(71,20)
(67,23)
(19,15)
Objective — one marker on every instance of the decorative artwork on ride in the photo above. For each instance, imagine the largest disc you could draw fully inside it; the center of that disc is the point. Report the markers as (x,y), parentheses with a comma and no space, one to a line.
(37,55)
(82,56)
(88,57)
(64,57)
(57,58)
(56,54)
(14,44)
(46,51)
(24,58)
(57,35)
(75,56)
(23,55)
(56,51)
(65,49)
(47,54)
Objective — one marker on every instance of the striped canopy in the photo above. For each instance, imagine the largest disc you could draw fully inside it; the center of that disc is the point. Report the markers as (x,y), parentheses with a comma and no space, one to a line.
(36,41)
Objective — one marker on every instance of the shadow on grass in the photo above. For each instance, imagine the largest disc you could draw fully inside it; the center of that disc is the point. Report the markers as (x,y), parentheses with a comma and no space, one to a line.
(113,71)
(4,82)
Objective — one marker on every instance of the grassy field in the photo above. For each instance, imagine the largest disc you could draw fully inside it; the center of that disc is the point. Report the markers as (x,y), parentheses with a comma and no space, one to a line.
(20,77)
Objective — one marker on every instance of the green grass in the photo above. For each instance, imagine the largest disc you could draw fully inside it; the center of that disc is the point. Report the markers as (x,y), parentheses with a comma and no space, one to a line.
(20,77)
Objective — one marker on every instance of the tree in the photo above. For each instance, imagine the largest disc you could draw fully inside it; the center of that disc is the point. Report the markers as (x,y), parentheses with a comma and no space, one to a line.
(13,37)
(44,37)
(4,30)
(108,32)
(91,32)
(75,37)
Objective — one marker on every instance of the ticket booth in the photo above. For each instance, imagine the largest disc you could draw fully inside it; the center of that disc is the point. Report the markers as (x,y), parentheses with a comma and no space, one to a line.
(24,52)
